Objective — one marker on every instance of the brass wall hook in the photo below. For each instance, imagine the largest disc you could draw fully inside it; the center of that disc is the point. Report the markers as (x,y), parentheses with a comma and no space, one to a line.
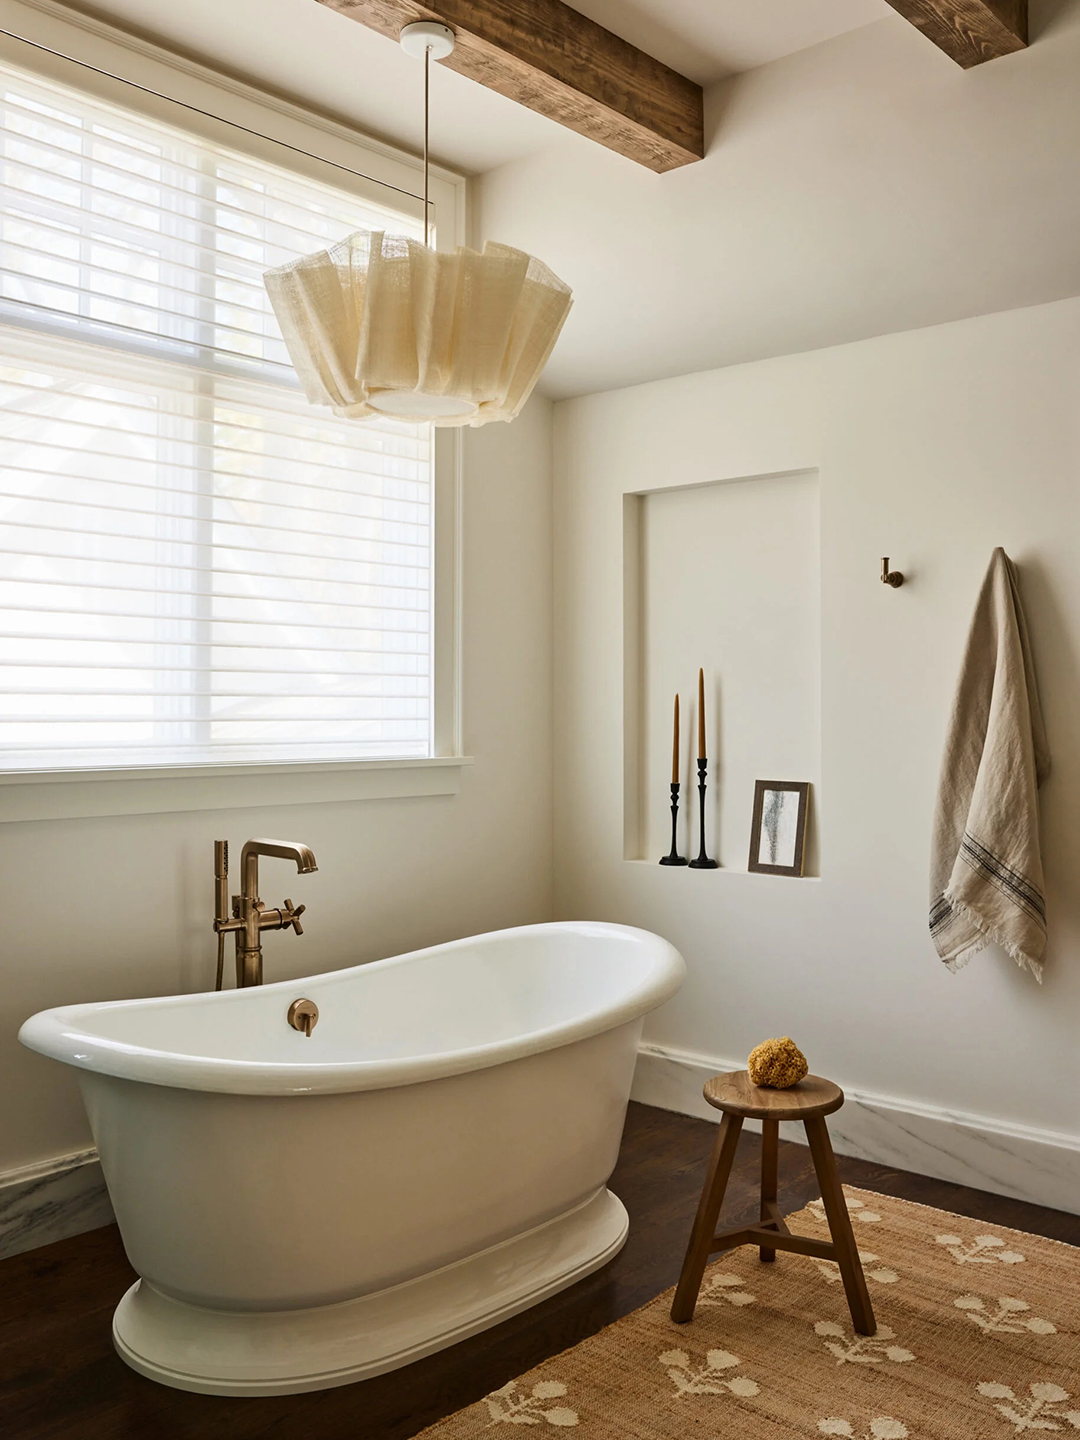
(890,577)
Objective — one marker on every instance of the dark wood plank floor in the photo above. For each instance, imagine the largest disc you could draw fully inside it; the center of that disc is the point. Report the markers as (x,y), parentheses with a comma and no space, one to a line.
(60,1377)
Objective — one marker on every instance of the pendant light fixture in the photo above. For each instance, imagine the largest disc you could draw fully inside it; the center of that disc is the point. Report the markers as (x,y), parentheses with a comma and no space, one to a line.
(382,325)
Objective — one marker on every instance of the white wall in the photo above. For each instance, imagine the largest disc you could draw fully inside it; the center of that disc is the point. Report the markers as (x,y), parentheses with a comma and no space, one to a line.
(119,907)
(932,447)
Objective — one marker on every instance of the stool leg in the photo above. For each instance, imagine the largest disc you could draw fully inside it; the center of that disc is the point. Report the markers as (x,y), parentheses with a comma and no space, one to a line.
(770,1142)
(708,1212)
(847,1253)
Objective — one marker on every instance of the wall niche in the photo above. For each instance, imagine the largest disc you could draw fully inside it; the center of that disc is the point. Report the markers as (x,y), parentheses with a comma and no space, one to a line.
(725,575)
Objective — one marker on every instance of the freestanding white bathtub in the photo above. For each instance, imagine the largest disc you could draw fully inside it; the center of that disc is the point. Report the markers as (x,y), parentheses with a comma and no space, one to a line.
(305,1212)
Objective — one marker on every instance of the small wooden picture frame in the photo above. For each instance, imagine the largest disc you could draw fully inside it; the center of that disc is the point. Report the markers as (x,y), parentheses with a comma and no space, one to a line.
(778,829)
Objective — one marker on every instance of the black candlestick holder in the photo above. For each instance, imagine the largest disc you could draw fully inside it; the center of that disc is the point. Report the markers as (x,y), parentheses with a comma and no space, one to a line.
(702,862)
(674,858)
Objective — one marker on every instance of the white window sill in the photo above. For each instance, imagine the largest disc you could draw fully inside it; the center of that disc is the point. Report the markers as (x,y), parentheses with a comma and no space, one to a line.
(71,794)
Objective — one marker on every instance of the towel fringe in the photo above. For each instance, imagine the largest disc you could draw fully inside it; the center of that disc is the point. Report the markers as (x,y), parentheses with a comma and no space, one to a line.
(956,963)
(987,933)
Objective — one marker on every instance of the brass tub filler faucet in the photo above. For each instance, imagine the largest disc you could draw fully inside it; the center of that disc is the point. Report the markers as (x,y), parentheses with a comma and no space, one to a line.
(247,917)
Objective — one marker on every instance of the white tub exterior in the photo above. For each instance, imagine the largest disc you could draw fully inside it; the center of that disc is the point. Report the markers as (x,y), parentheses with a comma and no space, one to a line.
(306,1212)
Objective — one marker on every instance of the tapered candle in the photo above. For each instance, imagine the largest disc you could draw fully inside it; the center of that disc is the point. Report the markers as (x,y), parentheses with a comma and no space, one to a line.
(701,714)
(675,747)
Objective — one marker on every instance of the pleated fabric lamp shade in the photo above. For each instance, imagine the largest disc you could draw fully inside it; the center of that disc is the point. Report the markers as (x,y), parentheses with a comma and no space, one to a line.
(383,325)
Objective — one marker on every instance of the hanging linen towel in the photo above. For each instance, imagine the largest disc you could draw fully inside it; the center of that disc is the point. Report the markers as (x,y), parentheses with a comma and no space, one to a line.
(986,875)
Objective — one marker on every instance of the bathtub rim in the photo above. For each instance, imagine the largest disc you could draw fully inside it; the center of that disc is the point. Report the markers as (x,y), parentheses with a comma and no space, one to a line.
(58,1034)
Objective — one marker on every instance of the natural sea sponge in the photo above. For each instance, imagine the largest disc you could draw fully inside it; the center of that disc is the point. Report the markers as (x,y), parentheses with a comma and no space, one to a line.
(777,1063)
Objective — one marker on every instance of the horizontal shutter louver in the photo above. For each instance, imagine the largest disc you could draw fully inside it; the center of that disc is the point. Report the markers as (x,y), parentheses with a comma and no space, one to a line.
(195,565)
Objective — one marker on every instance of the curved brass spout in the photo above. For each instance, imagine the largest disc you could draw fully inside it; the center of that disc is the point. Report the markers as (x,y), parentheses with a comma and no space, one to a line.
(282,850)
(250,916)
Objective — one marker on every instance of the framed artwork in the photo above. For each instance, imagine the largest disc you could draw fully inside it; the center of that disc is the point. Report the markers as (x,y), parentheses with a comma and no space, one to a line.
(778,829)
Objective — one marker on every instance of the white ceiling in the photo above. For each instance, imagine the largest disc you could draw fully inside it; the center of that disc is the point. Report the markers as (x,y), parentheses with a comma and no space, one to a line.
(711,39)
(859,184)
(300,49)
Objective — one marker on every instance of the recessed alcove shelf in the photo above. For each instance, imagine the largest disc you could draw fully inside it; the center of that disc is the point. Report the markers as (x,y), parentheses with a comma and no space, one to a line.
(754,876)
(725,575)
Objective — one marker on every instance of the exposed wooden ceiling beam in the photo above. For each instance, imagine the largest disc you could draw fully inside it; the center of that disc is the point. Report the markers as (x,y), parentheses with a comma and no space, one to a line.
(970,31)
(549,57)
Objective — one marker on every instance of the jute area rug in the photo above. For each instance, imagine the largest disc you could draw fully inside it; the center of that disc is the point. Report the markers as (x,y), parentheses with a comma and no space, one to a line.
(977,1337)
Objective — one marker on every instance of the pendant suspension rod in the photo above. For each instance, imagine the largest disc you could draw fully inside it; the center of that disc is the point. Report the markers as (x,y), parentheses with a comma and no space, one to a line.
(427,40)
(427,116)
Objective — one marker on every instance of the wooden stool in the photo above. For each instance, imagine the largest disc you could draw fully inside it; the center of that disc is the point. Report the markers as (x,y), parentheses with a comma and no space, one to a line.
(809,1101)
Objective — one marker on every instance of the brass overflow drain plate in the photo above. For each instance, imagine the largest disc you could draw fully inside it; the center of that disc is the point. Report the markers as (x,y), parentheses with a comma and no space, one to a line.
(303,1016)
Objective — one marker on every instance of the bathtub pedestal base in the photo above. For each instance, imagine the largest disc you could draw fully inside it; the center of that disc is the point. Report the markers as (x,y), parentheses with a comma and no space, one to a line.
(216,1352)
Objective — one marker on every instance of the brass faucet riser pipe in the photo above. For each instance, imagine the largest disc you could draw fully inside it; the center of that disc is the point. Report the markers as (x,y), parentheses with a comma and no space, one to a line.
(249,967)
(249,917)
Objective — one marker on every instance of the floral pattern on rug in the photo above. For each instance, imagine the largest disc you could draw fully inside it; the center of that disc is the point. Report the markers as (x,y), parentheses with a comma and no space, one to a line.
(508,1407)
(861,1349)
(978,1338)
(718,1289)
(872,1269)
(704,1379)
(1008,1319)
(982,1250)
(857,1209)
(1040,1409)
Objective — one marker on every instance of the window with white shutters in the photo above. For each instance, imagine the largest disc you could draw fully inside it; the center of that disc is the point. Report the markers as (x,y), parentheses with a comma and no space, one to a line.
(196,566)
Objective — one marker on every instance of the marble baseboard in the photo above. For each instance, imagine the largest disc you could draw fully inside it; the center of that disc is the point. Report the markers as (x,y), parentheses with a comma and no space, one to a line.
(52,1200)
(1025,1163)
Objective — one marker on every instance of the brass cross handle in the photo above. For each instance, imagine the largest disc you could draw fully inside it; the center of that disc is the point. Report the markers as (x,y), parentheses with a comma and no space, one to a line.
(290,916)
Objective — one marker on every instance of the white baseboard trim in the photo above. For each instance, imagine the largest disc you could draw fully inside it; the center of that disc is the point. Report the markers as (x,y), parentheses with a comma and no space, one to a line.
(52,1200)
(1040,1166)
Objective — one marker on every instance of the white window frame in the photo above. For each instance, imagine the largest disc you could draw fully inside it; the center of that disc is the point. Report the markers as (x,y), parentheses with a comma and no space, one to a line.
(44,795)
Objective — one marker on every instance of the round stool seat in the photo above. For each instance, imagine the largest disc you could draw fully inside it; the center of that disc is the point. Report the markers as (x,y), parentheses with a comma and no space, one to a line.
(736,1094)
